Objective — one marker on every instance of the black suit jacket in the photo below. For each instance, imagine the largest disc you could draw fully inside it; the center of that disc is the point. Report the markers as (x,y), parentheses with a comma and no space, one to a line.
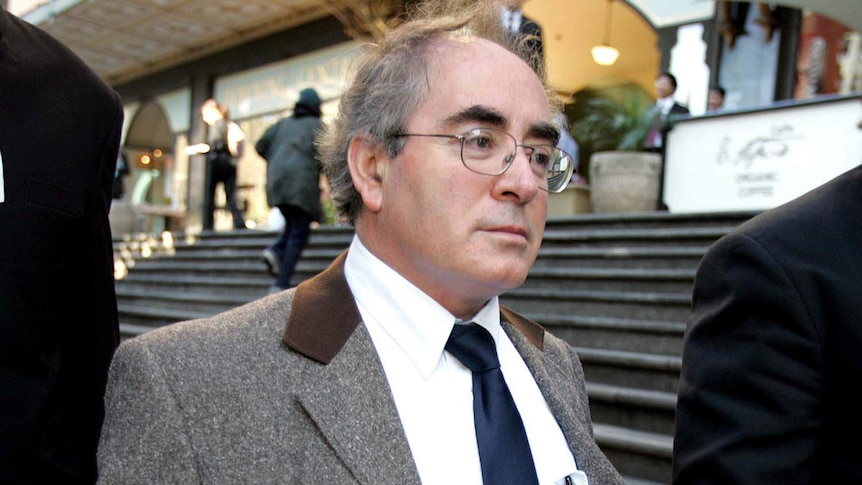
(661,124)
(773,353)
(59,136)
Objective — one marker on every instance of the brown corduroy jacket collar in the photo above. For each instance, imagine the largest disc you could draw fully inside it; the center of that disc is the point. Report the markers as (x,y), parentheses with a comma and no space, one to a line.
(324,316)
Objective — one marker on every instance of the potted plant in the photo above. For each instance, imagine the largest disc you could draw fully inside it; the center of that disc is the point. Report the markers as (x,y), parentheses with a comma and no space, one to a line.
(610,132)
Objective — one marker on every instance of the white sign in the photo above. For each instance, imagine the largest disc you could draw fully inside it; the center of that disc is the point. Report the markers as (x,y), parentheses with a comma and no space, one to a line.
(759,159)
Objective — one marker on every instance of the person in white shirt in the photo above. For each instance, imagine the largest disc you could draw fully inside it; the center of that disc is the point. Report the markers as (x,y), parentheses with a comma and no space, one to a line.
(661,111)
(225,147)
(371,371)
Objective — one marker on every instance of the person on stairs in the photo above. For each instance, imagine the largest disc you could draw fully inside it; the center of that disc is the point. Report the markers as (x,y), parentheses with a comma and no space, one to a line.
(226,143)
(292,184)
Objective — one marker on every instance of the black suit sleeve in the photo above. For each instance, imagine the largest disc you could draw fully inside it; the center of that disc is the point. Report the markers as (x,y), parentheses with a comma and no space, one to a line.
(749,404)
(60,128)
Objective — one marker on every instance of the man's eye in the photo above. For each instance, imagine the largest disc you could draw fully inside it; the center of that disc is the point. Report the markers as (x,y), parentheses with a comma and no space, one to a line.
(542,156)
(479,142)
(541,159)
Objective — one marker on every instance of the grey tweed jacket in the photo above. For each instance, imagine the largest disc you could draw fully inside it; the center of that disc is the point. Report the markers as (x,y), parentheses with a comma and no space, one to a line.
(289,389)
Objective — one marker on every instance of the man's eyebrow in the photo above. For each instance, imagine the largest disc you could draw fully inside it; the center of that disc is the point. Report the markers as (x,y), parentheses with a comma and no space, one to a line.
(545,131)
(490,116)
(479,114)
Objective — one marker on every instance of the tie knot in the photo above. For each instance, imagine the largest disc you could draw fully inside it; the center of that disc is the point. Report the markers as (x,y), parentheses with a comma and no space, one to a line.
(474,347)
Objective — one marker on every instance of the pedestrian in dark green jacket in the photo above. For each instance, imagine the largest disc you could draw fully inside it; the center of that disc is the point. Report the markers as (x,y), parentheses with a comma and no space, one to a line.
(293,183)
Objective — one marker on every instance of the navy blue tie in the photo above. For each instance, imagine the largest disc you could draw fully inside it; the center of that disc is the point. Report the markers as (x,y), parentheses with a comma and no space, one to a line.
(503,447)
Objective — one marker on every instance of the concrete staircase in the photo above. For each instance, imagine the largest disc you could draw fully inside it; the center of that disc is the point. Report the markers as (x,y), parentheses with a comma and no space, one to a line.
(617,287)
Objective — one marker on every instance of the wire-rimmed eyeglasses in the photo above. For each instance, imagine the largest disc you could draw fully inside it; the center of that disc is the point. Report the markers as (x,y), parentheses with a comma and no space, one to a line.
(489,151)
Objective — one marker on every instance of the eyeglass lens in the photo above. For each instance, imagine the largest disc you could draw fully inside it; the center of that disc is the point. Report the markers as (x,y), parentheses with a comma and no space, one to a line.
(491,152)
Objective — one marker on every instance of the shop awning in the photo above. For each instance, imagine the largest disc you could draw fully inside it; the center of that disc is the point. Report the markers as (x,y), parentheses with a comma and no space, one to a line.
(125,40)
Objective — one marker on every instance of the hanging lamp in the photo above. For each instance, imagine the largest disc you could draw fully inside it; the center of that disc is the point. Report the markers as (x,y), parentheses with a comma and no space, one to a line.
(604,54)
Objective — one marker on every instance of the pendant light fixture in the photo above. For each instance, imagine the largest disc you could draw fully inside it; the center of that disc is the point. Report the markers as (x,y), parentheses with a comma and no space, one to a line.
(604,54)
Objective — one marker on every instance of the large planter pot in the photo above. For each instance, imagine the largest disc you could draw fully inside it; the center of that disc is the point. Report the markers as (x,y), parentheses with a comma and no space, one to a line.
(624,181)
(575,199)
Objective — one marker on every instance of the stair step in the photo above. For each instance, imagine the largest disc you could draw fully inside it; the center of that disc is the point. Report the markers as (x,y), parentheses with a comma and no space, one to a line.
(648,219)
(131,330)
(170,280)
(614,304)
(622,256)
(167,295)
(691,236)
(652,444)
(245,254)
(638,481)
(611,279)
(644,454)
(635,408)
(147,315)
(622,334)
(200,266)
(631,369)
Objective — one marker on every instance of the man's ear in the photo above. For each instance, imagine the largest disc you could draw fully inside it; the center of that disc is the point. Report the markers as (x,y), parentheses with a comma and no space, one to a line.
(367,164)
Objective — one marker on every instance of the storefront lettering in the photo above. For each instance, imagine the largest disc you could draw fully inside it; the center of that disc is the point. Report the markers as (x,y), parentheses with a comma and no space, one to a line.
(775,145)
(757,184)
(743,178)
(335,71)
(759,191)
(275,87)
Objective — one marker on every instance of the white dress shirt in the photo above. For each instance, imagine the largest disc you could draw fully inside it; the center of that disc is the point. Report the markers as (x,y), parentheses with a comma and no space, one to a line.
(665,104)
(433,390)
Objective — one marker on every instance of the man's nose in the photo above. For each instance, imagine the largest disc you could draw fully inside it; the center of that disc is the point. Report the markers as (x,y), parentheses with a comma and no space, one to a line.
(521,178)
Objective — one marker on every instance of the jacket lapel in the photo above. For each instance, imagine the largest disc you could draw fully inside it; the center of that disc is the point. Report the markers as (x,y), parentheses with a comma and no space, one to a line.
(347,397)
(350,402)
(568,403)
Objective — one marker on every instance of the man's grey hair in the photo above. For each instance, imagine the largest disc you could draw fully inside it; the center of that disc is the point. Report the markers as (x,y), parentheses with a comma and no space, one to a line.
(391,81)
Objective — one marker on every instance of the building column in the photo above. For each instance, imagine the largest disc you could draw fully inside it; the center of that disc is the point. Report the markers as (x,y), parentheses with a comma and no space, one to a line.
(202,89)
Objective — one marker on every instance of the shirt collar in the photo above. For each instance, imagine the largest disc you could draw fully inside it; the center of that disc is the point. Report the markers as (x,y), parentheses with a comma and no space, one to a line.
(666,103)
(419,325)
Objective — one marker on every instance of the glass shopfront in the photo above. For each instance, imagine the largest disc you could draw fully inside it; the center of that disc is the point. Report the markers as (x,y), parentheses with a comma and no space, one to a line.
(154,186)
(260,97)
(157,132)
